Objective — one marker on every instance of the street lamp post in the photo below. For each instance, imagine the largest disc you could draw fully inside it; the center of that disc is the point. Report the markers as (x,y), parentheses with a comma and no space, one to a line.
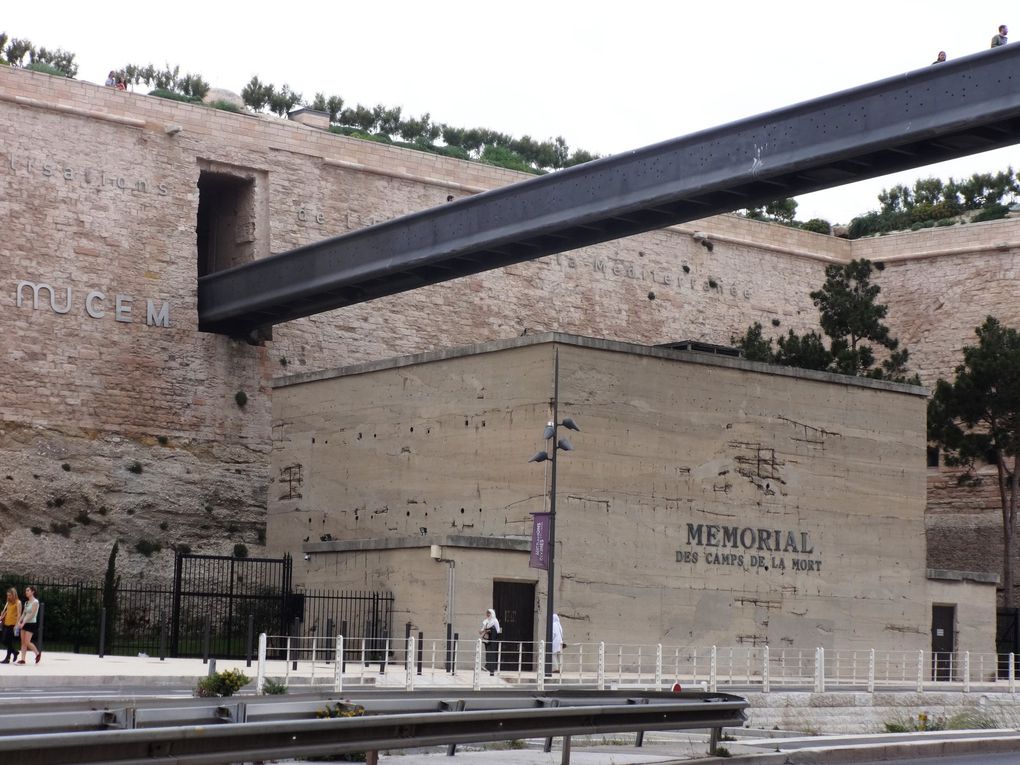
(558,444)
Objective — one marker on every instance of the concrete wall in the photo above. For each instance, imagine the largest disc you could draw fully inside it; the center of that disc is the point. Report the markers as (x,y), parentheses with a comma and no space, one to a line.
(707,500)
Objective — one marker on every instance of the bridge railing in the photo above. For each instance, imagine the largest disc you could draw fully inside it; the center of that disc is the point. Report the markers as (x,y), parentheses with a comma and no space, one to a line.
(406,663)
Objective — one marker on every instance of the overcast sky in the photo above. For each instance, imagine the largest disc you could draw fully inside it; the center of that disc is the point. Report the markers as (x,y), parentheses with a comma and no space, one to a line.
(607,77)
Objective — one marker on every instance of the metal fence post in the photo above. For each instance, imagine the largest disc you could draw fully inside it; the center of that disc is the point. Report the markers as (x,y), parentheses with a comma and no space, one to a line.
(343,653)
(540,673)
(601,678)
(871,671)
(658,665)
(250,640)
(713,667)
(449,648)
(338,665)
(295,632)
(966,671)
(819,670)
(476,679)
(1012,673)
(40,627)
(421,649)
(765,670)
(920,671)
(206,638)
(102,632)
(162,636)
(409,654)
(260,675)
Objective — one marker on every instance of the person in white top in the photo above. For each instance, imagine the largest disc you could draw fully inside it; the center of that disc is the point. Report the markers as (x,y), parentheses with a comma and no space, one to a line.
(489,632)
(28,624)
(557,644)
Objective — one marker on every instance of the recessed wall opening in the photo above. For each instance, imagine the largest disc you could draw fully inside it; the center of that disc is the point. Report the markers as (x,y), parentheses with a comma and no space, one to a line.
(226,221)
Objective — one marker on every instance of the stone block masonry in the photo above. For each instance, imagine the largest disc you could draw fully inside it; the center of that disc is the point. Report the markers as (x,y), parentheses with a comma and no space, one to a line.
(99,197)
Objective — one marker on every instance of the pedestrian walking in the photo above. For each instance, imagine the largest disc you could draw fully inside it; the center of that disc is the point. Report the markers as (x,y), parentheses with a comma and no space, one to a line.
(490,632)
(28,624)
(557,644)
(9,618)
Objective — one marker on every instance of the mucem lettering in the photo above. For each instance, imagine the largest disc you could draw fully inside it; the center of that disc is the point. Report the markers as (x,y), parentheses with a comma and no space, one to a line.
(96,304)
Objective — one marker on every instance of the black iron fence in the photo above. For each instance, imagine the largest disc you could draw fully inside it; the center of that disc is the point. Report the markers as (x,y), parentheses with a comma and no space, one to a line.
(216,606)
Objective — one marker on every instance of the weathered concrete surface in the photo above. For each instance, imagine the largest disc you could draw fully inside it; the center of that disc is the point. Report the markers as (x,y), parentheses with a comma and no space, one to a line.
(708,501)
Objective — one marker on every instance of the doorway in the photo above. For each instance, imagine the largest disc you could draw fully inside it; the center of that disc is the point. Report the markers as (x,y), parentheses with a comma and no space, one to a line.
(943,641)
(226,221)
(514,604)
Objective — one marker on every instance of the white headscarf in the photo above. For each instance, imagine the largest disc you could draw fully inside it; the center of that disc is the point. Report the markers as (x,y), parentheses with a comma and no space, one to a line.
(557,643)
(491,622)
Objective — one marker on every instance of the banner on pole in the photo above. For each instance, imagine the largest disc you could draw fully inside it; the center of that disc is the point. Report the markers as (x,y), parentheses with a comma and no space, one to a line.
(540,541)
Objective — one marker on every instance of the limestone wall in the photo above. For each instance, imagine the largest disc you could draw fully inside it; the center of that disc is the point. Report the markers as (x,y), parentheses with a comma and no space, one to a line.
(859,712)
(99,197)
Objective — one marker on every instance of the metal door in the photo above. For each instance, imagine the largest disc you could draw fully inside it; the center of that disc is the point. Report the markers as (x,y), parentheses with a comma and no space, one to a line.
(943,641)
(514,604)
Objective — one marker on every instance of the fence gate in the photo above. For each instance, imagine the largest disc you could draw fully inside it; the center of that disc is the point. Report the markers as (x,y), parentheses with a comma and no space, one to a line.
(214,595)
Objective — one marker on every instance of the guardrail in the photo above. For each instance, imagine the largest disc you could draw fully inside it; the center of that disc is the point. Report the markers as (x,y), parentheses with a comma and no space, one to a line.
(470,663)
(261,728)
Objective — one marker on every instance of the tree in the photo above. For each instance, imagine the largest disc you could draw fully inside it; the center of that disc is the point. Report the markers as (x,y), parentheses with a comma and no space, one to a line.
(283,100)
(256,94)
(111,583)
(806,351)
(778,210)
(818,226)
(976,420)
(754,345)
(851,317)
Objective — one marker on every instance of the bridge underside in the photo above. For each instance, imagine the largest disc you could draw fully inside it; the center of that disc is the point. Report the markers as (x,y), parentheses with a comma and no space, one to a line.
(941,112)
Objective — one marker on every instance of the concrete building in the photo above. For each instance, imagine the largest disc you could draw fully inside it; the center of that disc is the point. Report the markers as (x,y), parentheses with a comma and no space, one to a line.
(119,419)
(708,500)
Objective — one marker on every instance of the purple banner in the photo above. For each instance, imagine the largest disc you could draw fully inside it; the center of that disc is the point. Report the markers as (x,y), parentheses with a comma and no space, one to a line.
(540,541)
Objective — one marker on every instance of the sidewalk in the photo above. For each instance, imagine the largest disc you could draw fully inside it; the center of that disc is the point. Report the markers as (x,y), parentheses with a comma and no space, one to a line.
(70,669)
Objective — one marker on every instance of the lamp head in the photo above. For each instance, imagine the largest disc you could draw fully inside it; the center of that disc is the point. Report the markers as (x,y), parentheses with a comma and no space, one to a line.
(565,445)
(569,424)
(548,432)
(540,457)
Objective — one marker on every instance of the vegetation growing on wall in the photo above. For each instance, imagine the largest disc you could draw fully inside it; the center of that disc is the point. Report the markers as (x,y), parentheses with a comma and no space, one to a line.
(784,211)
(933,202)
(388,124)
(19,52)
(166,82)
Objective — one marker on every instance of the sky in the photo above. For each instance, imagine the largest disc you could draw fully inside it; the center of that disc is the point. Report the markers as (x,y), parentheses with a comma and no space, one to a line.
(608,77)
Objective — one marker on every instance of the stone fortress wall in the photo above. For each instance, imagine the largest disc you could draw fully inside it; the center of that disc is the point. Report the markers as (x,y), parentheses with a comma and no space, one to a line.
(100,197)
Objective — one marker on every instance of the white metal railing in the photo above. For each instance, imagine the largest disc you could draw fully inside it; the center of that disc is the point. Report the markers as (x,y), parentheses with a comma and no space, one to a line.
(390,662)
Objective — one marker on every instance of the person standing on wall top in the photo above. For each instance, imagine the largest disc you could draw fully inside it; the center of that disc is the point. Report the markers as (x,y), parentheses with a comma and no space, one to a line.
(939,59)
(28,624)
(9,618)
(111,79)
(490,632)
(1000,39)
(557,644)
